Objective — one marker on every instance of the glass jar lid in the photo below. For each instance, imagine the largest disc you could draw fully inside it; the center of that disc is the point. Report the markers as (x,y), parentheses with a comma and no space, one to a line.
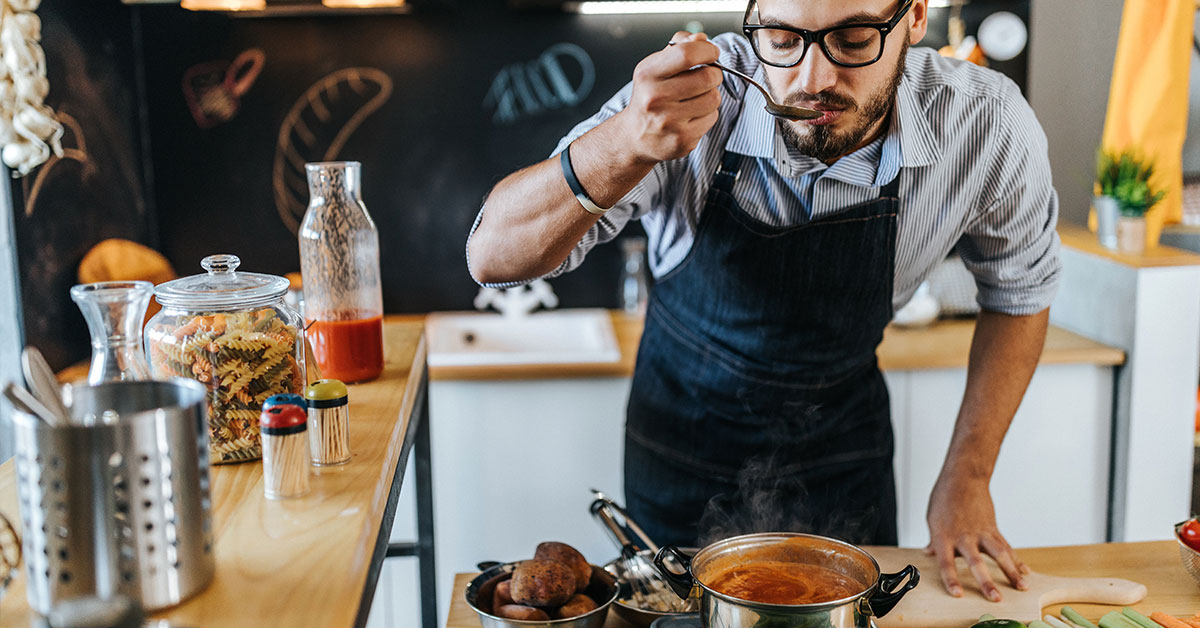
(222,288)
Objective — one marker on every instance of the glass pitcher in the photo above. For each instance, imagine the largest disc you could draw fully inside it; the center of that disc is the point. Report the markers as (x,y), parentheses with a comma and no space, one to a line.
(339,265)
(115,311)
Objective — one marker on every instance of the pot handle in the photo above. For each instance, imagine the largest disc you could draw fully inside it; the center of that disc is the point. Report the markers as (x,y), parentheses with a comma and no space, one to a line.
(885,598)
(681,584)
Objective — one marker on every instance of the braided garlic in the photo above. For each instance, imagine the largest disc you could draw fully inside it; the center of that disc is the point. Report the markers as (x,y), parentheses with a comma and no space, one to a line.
(29,131)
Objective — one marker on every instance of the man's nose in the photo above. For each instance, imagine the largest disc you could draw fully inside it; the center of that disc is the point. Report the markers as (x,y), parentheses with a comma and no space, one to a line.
(815,73)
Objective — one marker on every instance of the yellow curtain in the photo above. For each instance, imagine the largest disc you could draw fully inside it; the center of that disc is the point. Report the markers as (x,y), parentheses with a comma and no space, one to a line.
(1148,97)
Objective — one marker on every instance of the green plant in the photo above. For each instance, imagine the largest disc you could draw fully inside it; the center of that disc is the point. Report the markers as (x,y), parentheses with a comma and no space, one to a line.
(1125,176)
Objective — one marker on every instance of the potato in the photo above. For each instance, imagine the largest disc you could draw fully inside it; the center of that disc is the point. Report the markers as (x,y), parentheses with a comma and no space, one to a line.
(576,606)
(542,583)
(483,599)
(517,611)
(568,556)
(502,596)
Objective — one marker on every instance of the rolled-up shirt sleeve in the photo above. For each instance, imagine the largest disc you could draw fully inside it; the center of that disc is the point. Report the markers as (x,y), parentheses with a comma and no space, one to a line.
(632,206)
(1011,245)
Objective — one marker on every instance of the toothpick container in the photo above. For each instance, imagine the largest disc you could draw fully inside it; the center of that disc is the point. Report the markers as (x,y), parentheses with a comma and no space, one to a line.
(285,399)
(286,467)
(329,416)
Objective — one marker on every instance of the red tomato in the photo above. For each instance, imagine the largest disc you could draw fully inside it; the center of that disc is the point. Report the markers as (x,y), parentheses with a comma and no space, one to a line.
(1189,533)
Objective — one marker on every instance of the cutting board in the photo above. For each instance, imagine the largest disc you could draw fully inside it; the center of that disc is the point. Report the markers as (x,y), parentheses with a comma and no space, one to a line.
(929,606)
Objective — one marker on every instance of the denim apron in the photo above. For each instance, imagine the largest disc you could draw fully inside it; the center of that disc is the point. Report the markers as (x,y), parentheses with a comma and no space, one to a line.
(757,403)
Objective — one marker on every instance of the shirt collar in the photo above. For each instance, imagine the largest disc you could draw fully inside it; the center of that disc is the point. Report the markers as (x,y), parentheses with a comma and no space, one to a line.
(909,141)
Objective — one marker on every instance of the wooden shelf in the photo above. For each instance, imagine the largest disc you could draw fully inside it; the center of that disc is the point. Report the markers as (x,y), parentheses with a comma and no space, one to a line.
(1085,241)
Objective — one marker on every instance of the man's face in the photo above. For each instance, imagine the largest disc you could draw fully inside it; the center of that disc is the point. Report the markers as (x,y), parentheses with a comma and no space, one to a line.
(857,100)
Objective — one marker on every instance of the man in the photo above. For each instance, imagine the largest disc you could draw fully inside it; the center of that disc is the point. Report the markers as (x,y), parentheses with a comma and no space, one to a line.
(780,251)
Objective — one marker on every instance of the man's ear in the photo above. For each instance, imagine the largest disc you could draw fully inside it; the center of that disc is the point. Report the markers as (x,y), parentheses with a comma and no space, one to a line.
(918,21)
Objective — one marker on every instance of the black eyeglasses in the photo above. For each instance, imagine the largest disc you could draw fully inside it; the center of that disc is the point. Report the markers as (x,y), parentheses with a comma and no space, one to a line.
(850,45)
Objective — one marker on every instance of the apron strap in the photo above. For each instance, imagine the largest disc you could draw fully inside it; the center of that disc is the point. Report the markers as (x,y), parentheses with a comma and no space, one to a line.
(727,172)
(892,189)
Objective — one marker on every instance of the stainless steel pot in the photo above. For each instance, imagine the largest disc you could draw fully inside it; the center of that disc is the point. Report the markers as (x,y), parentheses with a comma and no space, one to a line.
(880,592)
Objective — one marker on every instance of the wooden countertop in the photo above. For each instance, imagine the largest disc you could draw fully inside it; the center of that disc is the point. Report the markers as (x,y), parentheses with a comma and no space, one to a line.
(1155,564)
(300,562)
(945,344)
(1080,239)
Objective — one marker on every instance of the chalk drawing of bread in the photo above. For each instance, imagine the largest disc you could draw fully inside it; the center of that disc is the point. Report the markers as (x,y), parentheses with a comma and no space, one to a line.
(77,153)
(317,128)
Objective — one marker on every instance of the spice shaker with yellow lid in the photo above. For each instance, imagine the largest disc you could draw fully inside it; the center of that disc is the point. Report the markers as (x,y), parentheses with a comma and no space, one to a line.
(285,463)
(329,416)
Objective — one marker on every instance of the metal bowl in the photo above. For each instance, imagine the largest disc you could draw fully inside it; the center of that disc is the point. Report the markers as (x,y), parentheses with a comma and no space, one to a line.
(625,607)
(602,589)
(1190,557)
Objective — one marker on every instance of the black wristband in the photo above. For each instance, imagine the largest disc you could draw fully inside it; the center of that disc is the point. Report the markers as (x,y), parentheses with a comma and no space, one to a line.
(576,188)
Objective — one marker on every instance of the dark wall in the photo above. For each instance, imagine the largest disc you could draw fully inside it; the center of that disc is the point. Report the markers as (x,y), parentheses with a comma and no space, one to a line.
(97,190)
(472,97)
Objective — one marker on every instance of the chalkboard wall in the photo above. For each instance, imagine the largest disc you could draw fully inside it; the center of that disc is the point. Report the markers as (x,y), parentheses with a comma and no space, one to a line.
(438,105)
(447,103)
(98,189)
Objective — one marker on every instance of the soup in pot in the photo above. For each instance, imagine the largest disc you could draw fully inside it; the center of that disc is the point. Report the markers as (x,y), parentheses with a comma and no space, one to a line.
(779,582)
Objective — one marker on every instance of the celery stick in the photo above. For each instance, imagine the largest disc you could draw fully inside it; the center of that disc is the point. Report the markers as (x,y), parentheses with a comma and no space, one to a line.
(1056,622)
(1037,623)
(1076,618)
(1115,619)
(1140,619)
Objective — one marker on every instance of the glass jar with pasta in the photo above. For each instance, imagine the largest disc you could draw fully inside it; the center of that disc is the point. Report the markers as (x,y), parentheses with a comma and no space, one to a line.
(232,332)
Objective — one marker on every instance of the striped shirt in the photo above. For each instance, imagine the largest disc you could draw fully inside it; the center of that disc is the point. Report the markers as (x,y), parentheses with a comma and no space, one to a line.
(973,166)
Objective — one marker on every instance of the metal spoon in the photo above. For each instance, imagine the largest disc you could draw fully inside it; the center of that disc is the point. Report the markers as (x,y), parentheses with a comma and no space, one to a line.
(41,381)
(780,111)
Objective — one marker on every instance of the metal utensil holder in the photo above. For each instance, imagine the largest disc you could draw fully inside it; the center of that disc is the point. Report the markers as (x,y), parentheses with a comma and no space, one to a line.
(117,502)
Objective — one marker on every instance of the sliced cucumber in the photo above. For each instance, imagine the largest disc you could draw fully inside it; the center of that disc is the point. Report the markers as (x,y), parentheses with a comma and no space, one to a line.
(999,623)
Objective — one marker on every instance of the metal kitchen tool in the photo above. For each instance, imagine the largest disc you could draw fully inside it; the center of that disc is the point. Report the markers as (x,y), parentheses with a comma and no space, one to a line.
(10,553)
(117,507)
(647,589)
(780,111)
(1189,556)
(41,381)
(875,596)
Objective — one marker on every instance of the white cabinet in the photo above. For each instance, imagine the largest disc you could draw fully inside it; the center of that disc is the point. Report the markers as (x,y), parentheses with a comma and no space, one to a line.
(1050,486)
(513,462)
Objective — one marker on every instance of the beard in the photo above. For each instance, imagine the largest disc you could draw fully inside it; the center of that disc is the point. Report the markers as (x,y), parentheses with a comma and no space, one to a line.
(822,141)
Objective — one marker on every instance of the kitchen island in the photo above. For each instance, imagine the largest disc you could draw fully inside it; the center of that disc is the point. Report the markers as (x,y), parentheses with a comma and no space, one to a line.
(311,561)
(1155,564)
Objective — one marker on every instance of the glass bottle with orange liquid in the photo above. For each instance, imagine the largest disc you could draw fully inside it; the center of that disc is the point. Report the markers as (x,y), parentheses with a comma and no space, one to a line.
(339,264)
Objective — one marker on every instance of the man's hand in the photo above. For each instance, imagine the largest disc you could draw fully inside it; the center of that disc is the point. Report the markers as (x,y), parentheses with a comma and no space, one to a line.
(674,103)
(962,522)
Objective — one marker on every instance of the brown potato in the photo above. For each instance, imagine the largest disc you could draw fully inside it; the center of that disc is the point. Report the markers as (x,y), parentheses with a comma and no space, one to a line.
(483,599)
(502,596)
(542,583)
(576,606)
(569,556)
(517,611)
